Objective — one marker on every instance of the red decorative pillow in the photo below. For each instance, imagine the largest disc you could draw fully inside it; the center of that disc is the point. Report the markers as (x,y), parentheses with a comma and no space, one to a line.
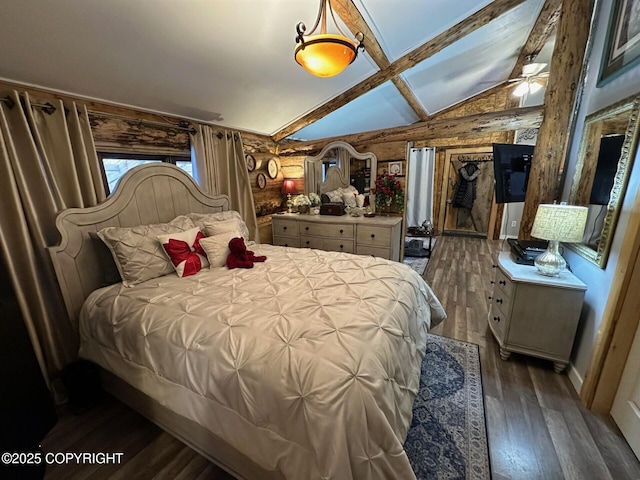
(185,252)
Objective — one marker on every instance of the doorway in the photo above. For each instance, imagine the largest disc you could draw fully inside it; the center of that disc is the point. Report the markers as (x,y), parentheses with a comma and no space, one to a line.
(467,206)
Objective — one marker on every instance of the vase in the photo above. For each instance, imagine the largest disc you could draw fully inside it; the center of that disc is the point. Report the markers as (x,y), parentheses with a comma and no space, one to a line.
(303,208)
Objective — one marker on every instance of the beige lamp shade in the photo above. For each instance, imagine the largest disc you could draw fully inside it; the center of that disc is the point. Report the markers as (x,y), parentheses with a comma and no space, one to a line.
(563,223)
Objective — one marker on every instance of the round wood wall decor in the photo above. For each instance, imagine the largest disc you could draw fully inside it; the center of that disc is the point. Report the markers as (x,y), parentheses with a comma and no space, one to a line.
(272,168)
(262,180)
(251,162)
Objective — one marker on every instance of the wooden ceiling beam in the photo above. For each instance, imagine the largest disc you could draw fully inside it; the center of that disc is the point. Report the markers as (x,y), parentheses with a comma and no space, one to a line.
(356,23)
(545,26)
(465,27)
(463,127)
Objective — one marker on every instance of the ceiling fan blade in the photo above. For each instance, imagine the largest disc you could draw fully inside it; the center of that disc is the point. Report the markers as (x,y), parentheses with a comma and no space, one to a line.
(532,69)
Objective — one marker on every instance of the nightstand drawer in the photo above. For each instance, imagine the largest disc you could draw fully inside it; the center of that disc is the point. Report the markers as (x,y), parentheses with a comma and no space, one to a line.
(286,241)
(501,301)
(287,228)
(336,230)
(498,322)
(503,282)
(374,236)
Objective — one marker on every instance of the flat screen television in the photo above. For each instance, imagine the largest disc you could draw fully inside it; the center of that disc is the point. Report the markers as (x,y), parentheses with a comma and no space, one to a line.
(511,166)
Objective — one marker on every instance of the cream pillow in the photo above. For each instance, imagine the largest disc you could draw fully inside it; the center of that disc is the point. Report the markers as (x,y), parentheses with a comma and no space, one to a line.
(217,248)
(138,253)
(225,226)
(201,219)
(349,199)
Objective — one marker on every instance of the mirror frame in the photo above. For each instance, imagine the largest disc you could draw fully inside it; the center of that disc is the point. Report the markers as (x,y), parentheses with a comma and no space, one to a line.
(312,182)
(629,146)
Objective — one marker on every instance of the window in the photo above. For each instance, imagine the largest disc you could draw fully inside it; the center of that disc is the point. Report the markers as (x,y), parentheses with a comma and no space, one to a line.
(115,165)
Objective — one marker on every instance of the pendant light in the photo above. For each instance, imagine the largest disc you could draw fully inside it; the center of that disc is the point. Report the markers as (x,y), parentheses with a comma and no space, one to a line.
(325,54)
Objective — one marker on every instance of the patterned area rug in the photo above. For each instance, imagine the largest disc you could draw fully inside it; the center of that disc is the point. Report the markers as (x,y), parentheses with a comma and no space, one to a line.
(447,438)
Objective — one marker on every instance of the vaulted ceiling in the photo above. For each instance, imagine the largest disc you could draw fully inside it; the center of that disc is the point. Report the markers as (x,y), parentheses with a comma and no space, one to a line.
(230,62)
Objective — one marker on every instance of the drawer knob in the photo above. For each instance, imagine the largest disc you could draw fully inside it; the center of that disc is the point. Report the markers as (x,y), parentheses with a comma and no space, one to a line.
(284,228)
(498,300)
(286,244)
(341,231)
(306,228)
(490,298)
(373,235)
(493,282)
(502,282)
(494,266)
(341,246)
(496,319)
(307,242)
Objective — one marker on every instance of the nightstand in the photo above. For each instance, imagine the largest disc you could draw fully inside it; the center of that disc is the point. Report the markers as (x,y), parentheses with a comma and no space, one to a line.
(534,314)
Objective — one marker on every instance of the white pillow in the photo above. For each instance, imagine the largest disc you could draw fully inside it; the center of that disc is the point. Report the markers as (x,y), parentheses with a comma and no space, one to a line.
(185,252)
(200,219)
(217,228)
(138,253)
(217,248)
(349,199)
(334,196)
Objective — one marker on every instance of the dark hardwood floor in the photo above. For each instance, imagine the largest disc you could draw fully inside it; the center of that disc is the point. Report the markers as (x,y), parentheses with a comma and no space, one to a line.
(537,427)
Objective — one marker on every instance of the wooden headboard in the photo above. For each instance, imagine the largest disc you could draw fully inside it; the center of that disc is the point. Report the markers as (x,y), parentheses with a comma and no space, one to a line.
(151,193)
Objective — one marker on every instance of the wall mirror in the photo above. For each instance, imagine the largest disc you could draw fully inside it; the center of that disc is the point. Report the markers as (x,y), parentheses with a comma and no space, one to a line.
(339,165)
(607,149)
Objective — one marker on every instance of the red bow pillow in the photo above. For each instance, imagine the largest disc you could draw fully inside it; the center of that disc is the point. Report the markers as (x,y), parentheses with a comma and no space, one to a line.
(185,252)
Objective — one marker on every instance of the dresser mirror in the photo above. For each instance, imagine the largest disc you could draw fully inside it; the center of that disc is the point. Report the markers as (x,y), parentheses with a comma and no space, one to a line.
(339,165)
(607,150)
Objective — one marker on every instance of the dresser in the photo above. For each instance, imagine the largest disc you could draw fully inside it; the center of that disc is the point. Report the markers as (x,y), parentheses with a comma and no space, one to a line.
(377,236)
(534,314)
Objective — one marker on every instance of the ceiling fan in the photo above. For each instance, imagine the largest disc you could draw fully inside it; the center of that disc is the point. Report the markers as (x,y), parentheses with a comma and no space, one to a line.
(531,79)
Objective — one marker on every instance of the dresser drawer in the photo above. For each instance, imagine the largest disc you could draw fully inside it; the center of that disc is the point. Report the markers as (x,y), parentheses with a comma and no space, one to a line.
(329,244)
(503,283)
(282,241)
(374,251)
(374,236)
(288,228)
(334,230)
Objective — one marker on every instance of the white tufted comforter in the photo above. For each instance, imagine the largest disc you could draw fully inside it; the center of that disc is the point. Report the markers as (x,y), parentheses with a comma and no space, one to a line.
(307,363)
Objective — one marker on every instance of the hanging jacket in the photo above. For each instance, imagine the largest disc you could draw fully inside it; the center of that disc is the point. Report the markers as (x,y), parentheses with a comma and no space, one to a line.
(465,193)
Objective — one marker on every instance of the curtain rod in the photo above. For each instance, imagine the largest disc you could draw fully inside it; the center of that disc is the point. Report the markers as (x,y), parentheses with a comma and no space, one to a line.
(47,107)
(181,125)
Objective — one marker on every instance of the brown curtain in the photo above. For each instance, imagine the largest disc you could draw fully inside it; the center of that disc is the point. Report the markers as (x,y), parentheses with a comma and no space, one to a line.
(48,163)
(221,169)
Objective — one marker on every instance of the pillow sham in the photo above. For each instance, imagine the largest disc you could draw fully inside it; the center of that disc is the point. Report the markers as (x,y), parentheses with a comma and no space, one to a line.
(349,199)
(138,253)
(234,225)
(184,251)
(200,219)
(217,248)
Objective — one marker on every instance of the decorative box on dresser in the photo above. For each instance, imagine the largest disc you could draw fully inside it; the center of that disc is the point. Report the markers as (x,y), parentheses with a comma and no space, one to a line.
(377,236)
(535,314)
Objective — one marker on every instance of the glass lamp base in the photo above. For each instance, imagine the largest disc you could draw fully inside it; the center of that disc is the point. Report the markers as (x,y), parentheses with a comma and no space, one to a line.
(550,262)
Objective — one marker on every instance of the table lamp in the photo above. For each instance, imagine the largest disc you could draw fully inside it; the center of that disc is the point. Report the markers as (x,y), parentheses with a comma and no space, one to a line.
(289,188)
(557,223)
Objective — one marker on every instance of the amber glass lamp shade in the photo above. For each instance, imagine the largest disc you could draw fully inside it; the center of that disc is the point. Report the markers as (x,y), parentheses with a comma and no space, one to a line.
(326,54)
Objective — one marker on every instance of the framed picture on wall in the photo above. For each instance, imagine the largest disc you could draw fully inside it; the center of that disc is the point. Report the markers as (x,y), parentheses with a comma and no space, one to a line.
(395,168)
(622,45)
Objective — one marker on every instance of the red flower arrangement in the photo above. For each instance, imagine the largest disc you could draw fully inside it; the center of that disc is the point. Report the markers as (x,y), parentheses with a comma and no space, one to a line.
(388,192)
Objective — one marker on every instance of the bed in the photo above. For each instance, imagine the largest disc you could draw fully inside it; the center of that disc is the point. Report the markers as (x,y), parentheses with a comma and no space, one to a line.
(304,366)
